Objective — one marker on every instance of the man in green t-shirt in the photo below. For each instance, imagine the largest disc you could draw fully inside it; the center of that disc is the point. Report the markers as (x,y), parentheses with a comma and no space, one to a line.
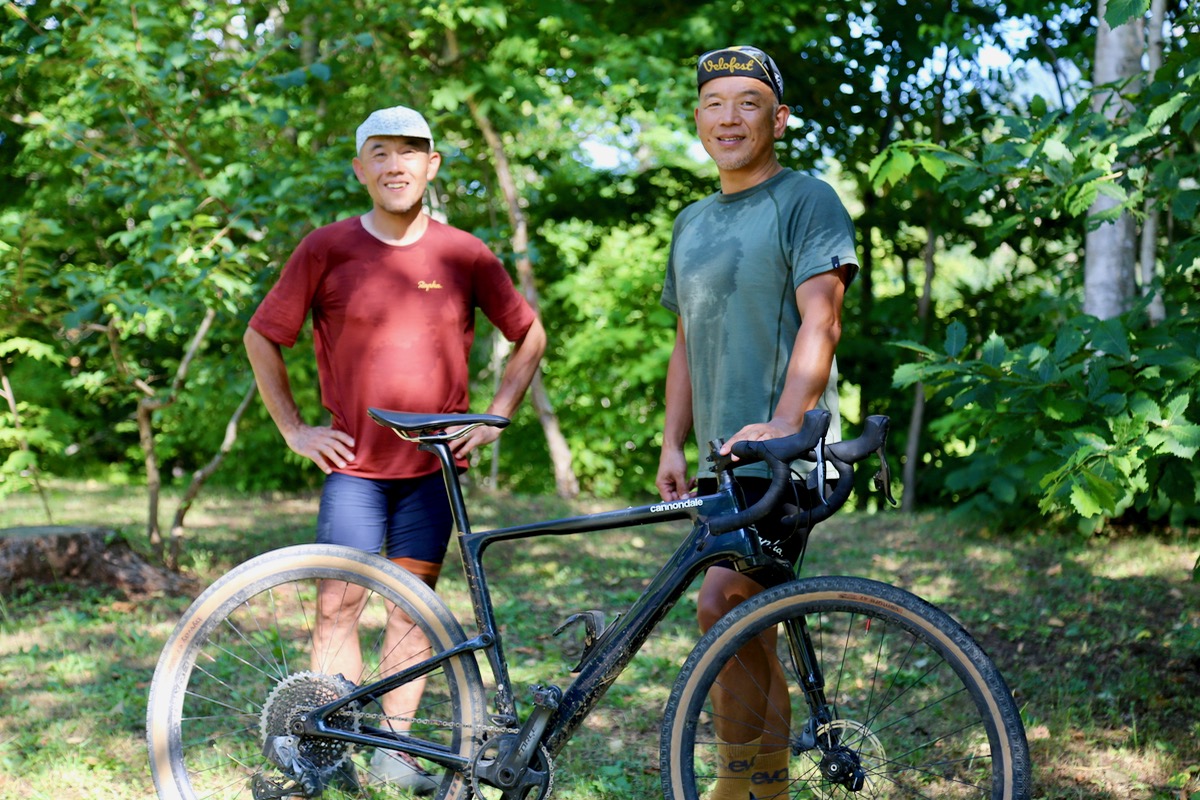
(756,275)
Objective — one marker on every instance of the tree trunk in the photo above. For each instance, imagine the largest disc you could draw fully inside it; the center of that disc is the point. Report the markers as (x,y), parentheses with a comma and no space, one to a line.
(560,452)
(150,402)
(866,282)
(916,423)
(201,475)
(1110,263)
(1148,251)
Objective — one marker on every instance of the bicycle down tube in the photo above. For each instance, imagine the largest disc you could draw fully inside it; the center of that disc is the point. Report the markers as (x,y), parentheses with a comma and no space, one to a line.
(621,640)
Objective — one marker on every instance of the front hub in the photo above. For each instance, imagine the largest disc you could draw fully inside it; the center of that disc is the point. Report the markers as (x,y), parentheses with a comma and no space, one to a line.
(841,766)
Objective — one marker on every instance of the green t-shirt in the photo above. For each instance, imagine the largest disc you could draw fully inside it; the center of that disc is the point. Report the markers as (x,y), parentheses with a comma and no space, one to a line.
(734,266)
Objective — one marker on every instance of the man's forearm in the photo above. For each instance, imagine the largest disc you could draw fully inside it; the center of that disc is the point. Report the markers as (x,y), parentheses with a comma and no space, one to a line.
(270,373)
(519,370)
(677,424)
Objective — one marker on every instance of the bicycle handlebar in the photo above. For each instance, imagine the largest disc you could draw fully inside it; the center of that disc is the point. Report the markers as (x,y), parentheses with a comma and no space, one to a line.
(808,443)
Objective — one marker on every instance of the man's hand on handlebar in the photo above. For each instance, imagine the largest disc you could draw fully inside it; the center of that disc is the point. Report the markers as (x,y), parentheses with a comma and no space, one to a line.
(757,432)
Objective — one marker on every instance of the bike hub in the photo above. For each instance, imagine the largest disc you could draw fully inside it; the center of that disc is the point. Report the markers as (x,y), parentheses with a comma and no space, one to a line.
(841,766)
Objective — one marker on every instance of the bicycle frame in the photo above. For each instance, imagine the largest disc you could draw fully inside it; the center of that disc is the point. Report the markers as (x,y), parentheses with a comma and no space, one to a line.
(621,640)
(615,647)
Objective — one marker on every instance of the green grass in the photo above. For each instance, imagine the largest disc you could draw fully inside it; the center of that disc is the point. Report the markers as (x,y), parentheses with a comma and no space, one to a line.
(1098,638)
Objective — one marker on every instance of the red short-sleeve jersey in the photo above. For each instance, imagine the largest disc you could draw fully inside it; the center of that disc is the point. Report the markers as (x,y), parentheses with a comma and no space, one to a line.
(392,328)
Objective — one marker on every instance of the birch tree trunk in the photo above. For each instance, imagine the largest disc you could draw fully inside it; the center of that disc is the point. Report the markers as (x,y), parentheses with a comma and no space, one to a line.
(1110,262)
(1148,252)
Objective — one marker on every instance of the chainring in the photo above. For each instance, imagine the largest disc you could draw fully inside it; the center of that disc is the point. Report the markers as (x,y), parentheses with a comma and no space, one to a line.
(544,764)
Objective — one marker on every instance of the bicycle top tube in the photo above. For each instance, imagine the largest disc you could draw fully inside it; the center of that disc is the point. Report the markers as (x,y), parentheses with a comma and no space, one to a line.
(433,432)
(720,531)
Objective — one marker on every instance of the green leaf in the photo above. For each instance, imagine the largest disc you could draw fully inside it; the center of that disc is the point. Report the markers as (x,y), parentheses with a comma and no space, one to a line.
(1081,200)
(290,80)
(1119,12)
(1092,495)
(1162,113)
(892,166)
(1186,203)
(995,352)
(1178,440)
(934,166)
(1110,337)
(1055,150)
(956,338)
(907,375)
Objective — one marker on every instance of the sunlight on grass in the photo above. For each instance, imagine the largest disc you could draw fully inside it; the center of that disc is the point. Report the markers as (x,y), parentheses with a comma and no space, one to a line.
(1144,557)
(1100,639)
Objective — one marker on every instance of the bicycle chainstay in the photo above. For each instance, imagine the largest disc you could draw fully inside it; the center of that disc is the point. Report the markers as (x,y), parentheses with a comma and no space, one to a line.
(497,729)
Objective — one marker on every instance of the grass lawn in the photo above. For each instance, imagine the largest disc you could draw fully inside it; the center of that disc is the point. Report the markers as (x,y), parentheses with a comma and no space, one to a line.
(1099,638)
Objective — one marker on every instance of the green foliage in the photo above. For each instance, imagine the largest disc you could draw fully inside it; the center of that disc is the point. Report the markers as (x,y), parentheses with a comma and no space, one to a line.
(161,160)
(1048,415)
(1099,422)
(615,353)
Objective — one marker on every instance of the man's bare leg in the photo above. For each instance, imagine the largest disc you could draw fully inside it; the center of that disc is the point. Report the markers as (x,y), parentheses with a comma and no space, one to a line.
(750,699)
(404,644)
(336,649)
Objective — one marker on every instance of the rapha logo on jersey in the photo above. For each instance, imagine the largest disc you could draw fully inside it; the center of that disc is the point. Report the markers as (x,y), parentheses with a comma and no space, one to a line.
(678,505)
(428,285)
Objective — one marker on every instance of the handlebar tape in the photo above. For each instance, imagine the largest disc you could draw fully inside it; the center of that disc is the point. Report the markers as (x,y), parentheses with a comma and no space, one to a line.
(780,453)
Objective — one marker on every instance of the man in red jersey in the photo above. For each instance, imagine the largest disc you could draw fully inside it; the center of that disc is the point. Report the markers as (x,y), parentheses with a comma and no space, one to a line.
(392,294)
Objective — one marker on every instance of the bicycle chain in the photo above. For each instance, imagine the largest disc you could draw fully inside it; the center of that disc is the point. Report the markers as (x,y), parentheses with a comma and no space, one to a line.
(441,723)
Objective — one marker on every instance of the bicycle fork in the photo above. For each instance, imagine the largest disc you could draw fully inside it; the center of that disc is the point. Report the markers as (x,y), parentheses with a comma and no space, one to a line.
(839,764)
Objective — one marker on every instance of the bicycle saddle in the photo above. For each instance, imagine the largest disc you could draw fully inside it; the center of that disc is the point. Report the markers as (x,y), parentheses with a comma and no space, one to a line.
(429,423)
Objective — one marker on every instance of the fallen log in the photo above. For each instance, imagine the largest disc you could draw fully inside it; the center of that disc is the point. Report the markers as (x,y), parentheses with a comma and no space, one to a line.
(92,556)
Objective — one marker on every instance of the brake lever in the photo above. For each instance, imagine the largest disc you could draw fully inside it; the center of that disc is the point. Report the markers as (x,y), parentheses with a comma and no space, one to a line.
(882,482)
(819,451)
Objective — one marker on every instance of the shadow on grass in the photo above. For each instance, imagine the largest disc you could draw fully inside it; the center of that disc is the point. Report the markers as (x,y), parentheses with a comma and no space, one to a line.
(1099,640)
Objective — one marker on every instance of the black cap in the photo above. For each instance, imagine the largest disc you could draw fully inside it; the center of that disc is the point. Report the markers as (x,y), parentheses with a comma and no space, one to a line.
(743,60)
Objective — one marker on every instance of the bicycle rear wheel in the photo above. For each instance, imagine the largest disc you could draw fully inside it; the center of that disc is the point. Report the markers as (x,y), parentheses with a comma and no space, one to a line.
(241,667)
(916,708)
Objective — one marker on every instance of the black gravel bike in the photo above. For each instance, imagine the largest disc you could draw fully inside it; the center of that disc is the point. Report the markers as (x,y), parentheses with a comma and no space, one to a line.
(886,696)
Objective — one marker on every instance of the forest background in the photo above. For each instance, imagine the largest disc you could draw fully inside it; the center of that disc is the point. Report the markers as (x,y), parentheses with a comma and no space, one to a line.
(1024,177)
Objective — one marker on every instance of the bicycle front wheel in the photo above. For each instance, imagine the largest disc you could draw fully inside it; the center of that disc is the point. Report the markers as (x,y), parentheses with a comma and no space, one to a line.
(249,659)
(914,707)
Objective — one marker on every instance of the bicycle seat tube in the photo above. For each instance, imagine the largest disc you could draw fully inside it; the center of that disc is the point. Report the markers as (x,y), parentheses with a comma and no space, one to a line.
(622,639)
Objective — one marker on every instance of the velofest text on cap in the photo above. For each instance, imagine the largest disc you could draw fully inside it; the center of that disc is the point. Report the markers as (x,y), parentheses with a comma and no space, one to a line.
(740,60)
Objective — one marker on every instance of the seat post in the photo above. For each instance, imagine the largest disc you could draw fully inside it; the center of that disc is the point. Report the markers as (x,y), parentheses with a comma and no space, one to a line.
(453,487)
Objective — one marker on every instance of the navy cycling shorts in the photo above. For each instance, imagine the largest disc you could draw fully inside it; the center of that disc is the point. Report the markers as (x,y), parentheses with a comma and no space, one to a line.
(406,518)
